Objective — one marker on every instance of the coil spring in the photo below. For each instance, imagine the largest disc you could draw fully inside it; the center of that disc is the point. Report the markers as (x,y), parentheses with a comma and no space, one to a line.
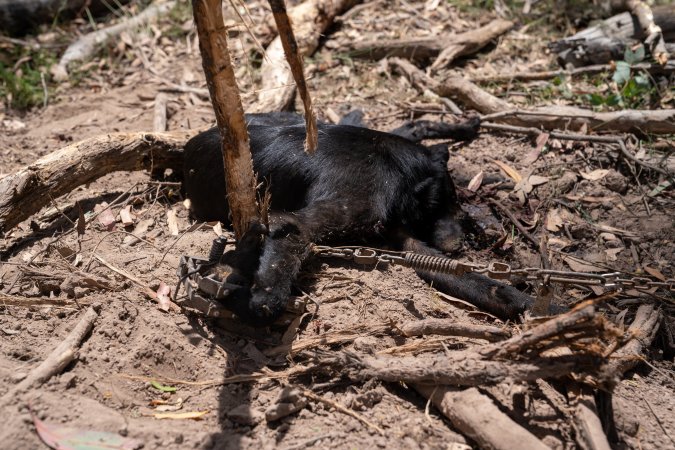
(432,263)
(217,249)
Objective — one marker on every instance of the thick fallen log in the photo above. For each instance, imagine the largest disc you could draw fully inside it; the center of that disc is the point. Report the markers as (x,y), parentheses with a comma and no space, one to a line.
(476,416)
(549,117)
(608,40)
(19,17)
(310,20)
(447,48)
(32,187)
(642,330)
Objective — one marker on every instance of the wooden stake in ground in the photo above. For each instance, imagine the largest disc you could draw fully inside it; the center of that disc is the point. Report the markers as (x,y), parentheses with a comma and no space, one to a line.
(239,178)
(310,19)
(294,59)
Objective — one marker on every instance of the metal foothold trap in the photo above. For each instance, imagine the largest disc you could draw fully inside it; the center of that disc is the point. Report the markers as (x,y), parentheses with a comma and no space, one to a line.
(207,295)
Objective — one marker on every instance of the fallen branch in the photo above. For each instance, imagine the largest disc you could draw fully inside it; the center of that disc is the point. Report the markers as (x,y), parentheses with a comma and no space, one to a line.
(330,338)
(654,69)
(58,359)
(450,327)
(608,139)
(551,117)
(654,35)
(643,329)
(448,48)
(84,47)
(586,423)
(32,187)
(12,300)
(476,416)
(310,19)
(608,40)
(462,368)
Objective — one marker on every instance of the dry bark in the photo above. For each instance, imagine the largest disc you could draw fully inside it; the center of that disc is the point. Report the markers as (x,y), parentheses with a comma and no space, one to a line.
(654,35)
(239,177)
(159,119)
(586,423)
(422,49)
(310,19)
(607,41)
(450,327)
(476,416)
(643,329)
(294,59)
(31,188)
(465,368)
(58,359)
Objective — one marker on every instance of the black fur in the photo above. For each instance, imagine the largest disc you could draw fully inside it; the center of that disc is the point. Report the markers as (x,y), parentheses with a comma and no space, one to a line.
(361,186)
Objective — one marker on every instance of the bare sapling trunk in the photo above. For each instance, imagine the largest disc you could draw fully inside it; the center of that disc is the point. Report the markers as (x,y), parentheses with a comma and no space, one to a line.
(294,59)
(239,177)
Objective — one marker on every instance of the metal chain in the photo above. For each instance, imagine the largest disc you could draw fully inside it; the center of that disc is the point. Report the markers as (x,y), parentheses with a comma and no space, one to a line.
(495,270)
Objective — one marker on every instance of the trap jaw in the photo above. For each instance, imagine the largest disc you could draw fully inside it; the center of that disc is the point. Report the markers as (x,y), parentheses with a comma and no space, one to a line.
(206,295)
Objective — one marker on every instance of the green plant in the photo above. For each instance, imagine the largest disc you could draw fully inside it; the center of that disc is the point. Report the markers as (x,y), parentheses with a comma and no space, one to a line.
(24,77)
(633,87)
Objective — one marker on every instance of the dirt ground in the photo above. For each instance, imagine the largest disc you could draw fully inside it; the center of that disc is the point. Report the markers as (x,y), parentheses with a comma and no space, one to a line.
(608,222)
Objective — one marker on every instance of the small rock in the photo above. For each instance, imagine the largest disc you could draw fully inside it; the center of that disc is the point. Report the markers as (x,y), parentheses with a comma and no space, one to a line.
(244,415)
(615,182)
(68,379)
(290,401)
(18,376)
(565,183)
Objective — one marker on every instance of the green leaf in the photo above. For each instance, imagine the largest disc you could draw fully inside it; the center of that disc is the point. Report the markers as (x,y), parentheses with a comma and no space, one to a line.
(660,188)
(622,73)
(596,99)
(614,100)
(157,385)
(634,57)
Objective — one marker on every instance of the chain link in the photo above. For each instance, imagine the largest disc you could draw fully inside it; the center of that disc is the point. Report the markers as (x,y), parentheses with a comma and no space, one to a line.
(496,270)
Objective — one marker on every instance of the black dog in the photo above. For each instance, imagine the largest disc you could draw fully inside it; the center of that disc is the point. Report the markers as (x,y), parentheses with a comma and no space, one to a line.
(361,186)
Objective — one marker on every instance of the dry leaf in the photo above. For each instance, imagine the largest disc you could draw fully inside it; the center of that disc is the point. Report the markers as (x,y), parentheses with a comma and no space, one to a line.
(536,180)
(532,156)
(140,230)
(475,182)
(579,265)
(510,171)
(218,229)
(655,273)
(553,220)
(105,217)
(126,216)
(172,222)
(612,252)
(164,297)
(595,175)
